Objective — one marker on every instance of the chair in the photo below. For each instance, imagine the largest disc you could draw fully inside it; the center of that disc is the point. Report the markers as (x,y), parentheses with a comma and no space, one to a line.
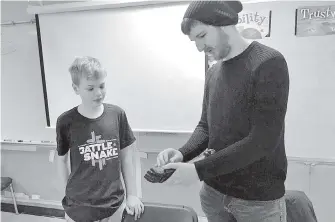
(299,207)
(155,212)
(8,182)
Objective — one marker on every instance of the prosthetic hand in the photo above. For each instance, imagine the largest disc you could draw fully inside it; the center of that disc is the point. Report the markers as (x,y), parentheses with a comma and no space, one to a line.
(158,174)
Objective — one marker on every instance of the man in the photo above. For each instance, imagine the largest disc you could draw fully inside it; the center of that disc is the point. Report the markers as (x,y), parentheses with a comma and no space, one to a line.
(243,120)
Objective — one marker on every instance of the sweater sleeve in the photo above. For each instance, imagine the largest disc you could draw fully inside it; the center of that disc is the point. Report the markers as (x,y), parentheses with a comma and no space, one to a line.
(198,141)
(271,88)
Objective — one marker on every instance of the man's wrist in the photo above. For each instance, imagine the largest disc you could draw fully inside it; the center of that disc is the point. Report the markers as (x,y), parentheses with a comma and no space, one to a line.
(198,169)
(181,154)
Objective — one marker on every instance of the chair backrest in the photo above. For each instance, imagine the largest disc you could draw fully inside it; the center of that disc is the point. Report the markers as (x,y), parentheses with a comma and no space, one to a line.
(155,212)
(299,207)
(5,182)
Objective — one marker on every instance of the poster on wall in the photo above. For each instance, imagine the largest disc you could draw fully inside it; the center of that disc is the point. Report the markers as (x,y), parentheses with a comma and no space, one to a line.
(253,25)
(315,21)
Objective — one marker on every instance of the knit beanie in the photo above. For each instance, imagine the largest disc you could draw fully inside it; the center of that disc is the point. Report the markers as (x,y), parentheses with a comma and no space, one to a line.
(215,13)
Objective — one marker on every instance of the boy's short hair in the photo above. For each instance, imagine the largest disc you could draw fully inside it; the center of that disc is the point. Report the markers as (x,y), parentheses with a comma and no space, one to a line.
(86,67)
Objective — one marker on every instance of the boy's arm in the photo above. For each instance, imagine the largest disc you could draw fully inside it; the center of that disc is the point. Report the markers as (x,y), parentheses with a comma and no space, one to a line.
(127,168)
(63,168)
(127,140)
(63,158)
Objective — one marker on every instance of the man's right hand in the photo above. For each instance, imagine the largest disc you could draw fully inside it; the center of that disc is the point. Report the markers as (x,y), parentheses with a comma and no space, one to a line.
(169,155)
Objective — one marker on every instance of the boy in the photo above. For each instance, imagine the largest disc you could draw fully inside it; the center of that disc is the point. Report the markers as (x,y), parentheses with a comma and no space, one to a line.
(94,147)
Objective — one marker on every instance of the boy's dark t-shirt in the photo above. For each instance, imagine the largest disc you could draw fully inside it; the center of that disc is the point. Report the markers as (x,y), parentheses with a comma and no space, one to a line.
(94,189)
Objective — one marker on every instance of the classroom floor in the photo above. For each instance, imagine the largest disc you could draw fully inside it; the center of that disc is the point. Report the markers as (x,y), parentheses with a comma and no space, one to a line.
(11,217)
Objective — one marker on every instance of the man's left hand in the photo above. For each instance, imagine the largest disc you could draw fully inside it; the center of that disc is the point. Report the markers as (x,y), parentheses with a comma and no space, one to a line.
(185,174)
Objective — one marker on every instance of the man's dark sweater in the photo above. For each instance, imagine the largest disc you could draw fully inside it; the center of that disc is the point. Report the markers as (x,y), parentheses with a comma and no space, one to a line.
(243,120)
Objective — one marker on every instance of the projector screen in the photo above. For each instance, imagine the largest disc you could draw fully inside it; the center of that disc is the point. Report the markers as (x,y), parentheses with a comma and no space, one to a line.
(155,73)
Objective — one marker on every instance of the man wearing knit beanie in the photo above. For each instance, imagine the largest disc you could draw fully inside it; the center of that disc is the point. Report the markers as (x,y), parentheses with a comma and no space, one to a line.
(214,16)
(243,121)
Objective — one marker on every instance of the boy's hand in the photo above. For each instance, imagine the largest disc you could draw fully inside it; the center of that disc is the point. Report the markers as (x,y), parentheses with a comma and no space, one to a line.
(134,206)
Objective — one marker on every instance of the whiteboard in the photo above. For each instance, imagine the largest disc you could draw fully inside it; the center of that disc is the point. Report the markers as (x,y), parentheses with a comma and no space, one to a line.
(158,92)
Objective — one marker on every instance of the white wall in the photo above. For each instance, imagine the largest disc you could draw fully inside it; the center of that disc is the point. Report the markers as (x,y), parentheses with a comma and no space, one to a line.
(22,107)
(309,121)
